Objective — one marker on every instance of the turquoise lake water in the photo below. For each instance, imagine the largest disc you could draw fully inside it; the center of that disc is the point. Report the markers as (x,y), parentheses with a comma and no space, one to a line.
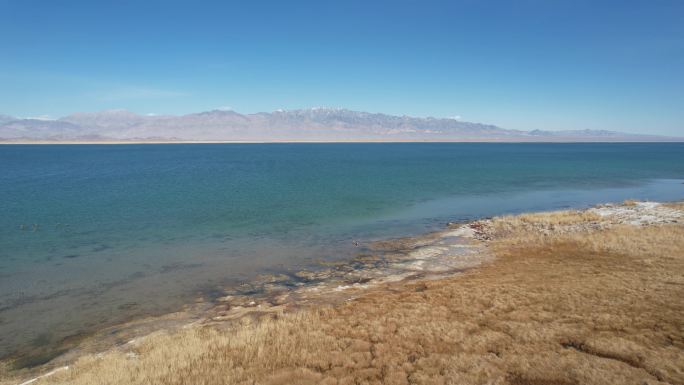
(94,234)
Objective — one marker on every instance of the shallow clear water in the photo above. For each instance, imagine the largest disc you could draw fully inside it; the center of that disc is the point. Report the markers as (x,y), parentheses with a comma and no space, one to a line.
(94,234)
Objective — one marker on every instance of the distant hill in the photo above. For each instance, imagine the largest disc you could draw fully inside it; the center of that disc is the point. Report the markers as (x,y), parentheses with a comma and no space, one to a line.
(316,124)
(6,118)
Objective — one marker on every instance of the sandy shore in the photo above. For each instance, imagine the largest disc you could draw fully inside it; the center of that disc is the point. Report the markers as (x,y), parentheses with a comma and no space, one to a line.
(574,297)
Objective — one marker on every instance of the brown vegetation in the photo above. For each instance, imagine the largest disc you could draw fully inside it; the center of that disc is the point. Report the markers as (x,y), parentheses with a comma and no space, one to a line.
(557,307)
(522,228)
(676,205)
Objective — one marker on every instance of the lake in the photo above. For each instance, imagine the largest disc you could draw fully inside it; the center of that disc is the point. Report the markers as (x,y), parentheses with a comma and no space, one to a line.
(92,235)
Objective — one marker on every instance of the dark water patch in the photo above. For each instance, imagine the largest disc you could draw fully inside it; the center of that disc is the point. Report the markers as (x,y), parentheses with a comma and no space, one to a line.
(23,299)
(85,292)
(219,236)
(105,286)
(178,266)
(43,349)
(211,293)
(128,306)
(71,256)
(41,340)
(134,276)
(35,358)
(101,247)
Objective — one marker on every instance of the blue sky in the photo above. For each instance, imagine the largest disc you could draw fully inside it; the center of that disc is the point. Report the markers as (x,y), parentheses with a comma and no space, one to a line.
(522,64)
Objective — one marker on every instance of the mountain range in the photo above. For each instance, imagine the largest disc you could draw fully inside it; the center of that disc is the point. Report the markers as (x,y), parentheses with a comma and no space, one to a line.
(315,124)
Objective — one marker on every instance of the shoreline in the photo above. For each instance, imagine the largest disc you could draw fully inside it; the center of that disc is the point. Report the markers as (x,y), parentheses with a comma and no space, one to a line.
(263,284)
(387,267)
(475,140)
(383,262)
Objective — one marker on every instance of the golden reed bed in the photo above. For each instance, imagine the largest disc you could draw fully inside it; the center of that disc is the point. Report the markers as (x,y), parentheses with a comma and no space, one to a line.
(567,301)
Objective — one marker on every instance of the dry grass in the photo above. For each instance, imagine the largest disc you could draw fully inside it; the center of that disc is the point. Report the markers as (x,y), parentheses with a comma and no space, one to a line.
(540,225)
(630,202)
(552,218)
(601,307)
(4,371)
(676,205)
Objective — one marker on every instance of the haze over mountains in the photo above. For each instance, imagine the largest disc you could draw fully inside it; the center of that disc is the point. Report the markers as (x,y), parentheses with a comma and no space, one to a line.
(316,124)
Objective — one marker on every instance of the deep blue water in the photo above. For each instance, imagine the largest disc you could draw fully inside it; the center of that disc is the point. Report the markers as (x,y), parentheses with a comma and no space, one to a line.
(87,230)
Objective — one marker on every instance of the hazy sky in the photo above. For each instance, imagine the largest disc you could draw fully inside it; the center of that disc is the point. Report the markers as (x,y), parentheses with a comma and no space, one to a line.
(523,64)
